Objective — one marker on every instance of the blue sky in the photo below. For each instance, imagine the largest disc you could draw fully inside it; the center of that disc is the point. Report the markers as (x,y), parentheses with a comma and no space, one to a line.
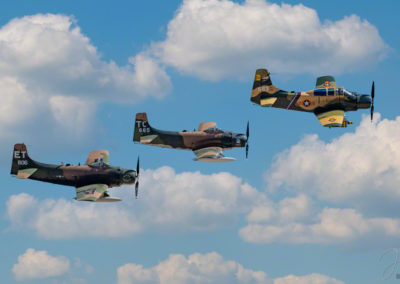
(313,203)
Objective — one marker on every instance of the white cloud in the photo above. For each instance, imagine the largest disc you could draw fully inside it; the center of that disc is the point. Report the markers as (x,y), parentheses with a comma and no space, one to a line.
(197,268)
(16,104)
(360,169)
(332,225)
(61,219)
(215,39)
(288,209)
(307,279)
(207,268)
(168,202)
(52,77)
(193,202)
(73,114)
(50,53)
(39,265)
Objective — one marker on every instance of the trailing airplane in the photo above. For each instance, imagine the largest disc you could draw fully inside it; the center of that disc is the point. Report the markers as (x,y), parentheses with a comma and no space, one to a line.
(207,142)
(90,180)
(327,101)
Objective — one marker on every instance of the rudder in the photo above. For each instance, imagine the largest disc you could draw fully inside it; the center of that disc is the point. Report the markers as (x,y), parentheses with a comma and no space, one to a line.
(262,85)
(142,127)
(20,159)
(262,78)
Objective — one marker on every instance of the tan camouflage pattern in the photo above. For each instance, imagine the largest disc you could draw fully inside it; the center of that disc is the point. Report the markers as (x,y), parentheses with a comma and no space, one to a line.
(207,136)
(91,180)
(26,173)
(98,156)
(327,101)
(206,125)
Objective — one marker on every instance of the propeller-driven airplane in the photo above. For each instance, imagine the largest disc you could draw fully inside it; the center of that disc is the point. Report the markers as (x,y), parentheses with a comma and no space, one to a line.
(90,180)
(207,142)
(327,101)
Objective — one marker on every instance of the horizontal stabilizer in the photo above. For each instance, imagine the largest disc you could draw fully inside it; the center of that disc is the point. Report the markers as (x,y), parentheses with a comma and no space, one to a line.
(26,173)
(147,139)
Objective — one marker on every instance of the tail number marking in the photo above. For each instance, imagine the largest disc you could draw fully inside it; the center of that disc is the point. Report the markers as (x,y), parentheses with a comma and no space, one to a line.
(19,154)
(142,126)
(22,162)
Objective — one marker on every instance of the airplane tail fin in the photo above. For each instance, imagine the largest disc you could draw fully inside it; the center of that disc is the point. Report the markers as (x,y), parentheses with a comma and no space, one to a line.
(21,159)
(262,84)
(142,127)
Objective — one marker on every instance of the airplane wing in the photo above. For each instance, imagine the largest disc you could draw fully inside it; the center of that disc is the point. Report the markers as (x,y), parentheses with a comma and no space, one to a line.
(211,154)
(98,157)
(325,82)
(94,193)
(331,118)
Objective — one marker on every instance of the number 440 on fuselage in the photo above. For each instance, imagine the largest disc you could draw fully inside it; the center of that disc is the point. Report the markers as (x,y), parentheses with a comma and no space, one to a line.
(327,101)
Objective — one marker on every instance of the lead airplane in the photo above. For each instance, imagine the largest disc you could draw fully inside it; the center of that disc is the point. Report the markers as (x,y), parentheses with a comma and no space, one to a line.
(327,101)
(207,142)
(90,180)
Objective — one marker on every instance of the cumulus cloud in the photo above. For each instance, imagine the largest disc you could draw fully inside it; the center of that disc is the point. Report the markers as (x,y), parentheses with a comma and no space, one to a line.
(62,219)
(206,268)
(360,169)
(332,225)
(313,278)
(50,53)
(188,201)
(50,72)
(215,39)
(39,265)
(286,210)
(194,202)
(197,268)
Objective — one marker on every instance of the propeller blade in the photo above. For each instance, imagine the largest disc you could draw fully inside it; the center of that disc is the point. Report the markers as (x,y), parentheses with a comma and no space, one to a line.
(137,178)
(372,112)
(373,90)
(247,139)
(373,98)
(247,131)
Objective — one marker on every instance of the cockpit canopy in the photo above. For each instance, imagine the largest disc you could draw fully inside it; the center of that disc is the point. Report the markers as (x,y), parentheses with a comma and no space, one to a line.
(99,163)
(349,94)
(213,130)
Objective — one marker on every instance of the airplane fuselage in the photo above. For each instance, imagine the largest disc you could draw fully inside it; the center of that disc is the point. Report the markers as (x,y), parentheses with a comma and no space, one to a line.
(193,140)
(82,175)
(314,100)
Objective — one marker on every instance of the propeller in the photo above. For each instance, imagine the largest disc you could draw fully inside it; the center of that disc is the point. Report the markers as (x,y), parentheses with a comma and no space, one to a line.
(137,179)
(247,140)
(372,97)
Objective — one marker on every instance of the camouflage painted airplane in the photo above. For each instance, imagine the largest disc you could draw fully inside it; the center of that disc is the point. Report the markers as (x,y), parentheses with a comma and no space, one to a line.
(327,101)
(90,180)
(207,142)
